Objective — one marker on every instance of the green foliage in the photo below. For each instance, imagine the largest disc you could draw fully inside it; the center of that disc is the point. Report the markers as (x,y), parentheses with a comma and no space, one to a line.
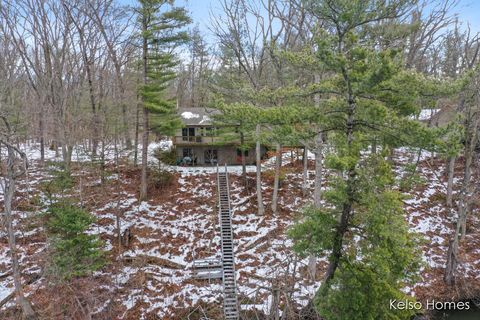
(168,157)
(313,234)
(380,254)
(160,178)
(60,182)
(74,252)
(162,31)
(411,177)
(365,96)
(369,296)
(361,95)
(270,175)
(450,139)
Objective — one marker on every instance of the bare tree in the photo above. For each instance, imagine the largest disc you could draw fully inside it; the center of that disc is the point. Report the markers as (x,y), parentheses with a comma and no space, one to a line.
(427,32)
(16,161)
(8,186)
(114,24)
(470,101)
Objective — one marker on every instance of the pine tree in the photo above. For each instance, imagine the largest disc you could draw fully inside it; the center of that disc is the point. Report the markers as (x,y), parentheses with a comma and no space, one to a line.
(366,97)
(161,27)
(74,251)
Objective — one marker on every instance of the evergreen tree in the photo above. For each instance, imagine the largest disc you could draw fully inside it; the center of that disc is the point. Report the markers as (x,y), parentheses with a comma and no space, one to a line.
(74,251)
(366,96)
(161,27)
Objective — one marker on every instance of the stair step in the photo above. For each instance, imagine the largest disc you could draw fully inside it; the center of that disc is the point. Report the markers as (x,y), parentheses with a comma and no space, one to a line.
(230,303)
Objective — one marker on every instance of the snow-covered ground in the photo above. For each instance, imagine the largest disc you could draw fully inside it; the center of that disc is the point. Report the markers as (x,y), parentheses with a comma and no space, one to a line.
(153,276)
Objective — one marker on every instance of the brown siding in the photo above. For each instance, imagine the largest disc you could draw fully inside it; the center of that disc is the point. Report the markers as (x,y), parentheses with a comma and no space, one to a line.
(226,154)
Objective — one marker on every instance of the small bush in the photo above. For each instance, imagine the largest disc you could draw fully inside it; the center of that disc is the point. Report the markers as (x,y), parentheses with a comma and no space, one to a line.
(168,157)
(410,179)
(74,252)
(161,178)
(61,181)
(270,175)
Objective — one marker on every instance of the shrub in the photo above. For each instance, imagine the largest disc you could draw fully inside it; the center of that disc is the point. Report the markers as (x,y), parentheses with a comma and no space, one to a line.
(61,180)
(161,178)
(74,252)
(411,178)
(270,175)
(168,157)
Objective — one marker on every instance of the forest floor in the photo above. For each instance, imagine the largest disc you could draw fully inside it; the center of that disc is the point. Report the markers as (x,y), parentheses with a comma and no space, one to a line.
(151,277)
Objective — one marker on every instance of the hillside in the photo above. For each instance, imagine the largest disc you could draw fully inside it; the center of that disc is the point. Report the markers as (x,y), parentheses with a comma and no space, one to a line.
(151,276)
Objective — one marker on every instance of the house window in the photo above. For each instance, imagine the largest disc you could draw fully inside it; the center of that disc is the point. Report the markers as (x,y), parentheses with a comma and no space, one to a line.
(211,156)
(187,152)
(239,153)
(188,134)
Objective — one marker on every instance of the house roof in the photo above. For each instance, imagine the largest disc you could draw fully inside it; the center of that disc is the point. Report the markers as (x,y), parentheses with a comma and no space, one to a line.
(444,115)
(197,116)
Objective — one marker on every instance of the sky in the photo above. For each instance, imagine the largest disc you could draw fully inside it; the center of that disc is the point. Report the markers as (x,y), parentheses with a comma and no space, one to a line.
(468,12)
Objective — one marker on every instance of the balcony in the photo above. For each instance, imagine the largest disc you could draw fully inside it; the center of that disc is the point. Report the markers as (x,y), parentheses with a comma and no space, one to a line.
(191,140)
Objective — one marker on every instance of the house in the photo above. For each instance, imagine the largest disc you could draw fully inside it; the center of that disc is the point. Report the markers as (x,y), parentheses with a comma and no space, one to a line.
(445,112)
(199,142)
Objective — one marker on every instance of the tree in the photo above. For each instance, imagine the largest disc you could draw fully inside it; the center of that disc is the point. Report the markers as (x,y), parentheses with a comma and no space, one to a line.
(40,33)
(16,161)
(8,187)
(161,32)
(105,15)
(366,94)
(74,252)
(469,102)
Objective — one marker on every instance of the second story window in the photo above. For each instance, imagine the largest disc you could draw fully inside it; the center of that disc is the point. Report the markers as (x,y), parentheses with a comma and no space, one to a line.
(188,134)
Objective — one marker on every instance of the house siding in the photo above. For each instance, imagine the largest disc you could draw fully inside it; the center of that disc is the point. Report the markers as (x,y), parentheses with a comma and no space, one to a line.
(226,154)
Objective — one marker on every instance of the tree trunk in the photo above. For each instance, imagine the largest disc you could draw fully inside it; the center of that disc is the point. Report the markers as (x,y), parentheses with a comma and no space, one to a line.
(137,127)
(451,169)
(305,172)
(312,266)
(22,302)
(451,265)
(143,183)
(95,120)
(128,142)
(41,133)
(67,156)
(471,127)
(244,161)
(275,307)
(261,209)
(317,193)
(466,191)
(276,183)
(341,229)
(343,224)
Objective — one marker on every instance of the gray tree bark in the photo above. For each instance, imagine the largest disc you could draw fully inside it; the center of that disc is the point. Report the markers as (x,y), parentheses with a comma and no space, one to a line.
(450,169)
(9,190)
(276,182)
(317,193)
(143,182)
(305,172)
(261,208)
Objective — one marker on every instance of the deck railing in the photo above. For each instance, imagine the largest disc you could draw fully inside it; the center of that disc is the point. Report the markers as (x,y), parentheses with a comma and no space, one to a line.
(196,139)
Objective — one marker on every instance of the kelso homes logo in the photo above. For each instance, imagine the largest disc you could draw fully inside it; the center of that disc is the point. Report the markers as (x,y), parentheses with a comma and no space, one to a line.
(429,305)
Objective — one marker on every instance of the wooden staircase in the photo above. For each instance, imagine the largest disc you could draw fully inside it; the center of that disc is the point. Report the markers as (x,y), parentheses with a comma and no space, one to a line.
(230,302)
